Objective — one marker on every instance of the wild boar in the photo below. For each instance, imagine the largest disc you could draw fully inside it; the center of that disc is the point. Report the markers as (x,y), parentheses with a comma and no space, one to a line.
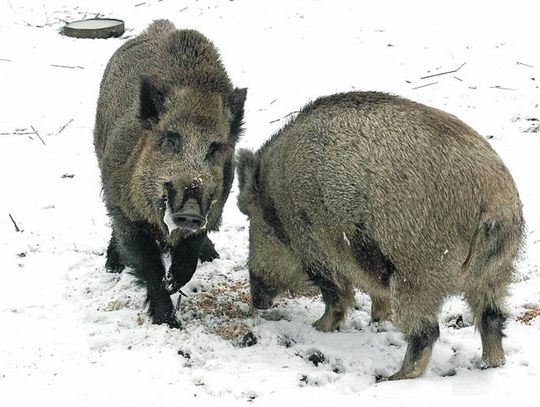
(167,122)
(370,190)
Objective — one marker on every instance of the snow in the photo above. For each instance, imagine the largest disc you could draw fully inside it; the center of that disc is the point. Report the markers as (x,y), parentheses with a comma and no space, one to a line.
(72,333)
(92,24)
(168,219)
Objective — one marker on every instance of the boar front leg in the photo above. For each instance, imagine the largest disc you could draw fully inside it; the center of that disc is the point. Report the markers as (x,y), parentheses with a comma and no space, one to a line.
(208,252)
(381,309)
(337,294)
(140,251)
(114,263)
(185,256)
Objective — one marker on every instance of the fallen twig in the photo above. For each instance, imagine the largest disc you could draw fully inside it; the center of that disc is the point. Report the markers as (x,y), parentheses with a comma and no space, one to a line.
(459,79)
(140,4)
(16,133)
(426,85)
(67,66)
(63,127)
(444,73)
(5,60)
(14,223)
(287,115)
(524,64)
(37,134)
(501,87)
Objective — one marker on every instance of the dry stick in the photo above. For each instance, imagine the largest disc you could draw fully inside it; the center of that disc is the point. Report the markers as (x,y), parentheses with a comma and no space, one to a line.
(444,73)
(14,223)
(524,64)
(293,112)
(63,127)
(37,134)
(426,85)
(501,87)
(5,59)
(67,66)
(140,4)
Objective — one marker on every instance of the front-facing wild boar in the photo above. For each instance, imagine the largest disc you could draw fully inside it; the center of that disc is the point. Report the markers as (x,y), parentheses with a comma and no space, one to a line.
(167,122)
(370,190)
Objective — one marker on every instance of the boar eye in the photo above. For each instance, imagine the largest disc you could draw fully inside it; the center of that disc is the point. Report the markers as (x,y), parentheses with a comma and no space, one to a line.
(171,141)
(215,149)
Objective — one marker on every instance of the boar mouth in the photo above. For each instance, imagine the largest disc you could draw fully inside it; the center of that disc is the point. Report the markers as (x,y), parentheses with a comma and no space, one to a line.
(188,219)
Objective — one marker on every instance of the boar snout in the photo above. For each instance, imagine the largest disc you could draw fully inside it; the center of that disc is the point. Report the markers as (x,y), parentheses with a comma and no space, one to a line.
(190,216)
(262,296)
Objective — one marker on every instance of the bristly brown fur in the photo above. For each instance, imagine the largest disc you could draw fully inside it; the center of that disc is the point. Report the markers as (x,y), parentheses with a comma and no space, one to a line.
(167,122)
(402,200)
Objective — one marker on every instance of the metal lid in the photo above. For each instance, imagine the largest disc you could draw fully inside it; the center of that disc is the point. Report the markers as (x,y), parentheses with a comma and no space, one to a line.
(94,28)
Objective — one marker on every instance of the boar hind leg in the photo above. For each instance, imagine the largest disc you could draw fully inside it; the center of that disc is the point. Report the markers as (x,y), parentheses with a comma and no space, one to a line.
(416,310)
(490,272)
(141,252)
(337,294)
(208,252)
(114,263)
(489,319)
(419,347)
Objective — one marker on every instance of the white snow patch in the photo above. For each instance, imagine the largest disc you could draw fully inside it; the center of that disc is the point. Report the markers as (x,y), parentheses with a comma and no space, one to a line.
(73,334)
(168,219)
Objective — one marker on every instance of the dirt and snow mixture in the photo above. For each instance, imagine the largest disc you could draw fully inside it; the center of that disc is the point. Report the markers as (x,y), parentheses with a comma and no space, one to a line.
(71,334)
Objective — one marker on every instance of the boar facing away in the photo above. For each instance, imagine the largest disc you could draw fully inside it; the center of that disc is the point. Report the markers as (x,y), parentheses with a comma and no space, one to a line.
(408,203)
(167,122)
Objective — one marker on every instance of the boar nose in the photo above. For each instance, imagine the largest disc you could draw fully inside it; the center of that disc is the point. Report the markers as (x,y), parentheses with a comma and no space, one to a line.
(262,302)
(189,216)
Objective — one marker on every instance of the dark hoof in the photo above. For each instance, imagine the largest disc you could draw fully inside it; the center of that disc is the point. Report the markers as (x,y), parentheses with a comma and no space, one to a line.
(114,266)
(169,320)
(114,263)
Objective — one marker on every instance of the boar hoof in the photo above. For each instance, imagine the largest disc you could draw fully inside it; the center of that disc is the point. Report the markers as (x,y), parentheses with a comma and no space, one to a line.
(489,361)
(169,320)
(114,263)
(327,324)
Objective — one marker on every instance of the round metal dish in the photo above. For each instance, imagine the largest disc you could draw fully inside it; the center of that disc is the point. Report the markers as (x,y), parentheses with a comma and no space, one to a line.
(94,28)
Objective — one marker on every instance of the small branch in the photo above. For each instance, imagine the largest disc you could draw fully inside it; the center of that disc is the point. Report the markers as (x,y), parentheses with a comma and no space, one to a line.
(284,117)
(444,73)
(63,127)
(425,86)
(524,64)
(293,112)
(14,223)
(5,60)
(459,79)
(140,4)
(17,133)
(184,9)
(501,87)
(66,66)
(37,134)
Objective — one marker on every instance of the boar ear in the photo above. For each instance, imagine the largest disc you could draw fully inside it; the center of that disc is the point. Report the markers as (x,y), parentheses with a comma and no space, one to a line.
(247,167)
(152,99)
(236,104)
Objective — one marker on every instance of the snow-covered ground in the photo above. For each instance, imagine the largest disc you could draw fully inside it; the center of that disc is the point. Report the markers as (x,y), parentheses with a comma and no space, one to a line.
(72,334)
